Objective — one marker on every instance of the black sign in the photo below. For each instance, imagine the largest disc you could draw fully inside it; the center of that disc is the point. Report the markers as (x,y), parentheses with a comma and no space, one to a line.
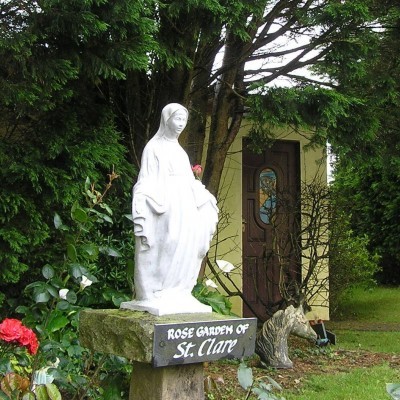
(194,342)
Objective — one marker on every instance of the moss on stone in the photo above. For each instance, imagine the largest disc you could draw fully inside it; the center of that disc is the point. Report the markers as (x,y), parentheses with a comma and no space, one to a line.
(129,333)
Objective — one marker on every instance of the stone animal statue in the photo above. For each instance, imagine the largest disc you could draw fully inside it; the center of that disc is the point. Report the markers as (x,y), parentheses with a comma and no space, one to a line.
(271,341)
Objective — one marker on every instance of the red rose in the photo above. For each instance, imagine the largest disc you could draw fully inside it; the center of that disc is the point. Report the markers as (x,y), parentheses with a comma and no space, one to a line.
(33,345)
(29,340)
(197,169)
(10,329)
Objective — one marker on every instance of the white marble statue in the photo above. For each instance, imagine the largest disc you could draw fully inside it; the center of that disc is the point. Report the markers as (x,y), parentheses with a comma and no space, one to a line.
(175,217)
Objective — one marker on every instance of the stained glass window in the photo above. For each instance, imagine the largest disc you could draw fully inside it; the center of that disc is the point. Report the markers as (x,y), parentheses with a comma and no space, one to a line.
(267,194)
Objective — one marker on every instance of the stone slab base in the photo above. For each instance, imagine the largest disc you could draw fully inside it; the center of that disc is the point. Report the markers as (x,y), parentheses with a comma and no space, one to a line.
(179,382)
(128,333)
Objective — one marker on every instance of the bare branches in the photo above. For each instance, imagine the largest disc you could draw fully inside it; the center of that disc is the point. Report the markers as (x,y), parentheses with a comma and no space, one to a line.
(310,241)
(300,248)
(262,55)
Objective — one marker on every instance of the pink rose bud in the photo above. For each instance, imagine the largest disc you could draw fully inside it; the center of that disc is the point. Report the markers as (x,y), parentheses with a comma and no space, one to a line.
(197,169)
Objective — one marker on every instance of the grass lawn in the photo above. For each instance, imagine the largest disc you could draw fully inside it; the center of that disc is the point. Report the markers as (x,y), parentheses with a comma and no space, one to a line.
(369,320)
(380,304)
(360,383)
(366,357)
(379,341)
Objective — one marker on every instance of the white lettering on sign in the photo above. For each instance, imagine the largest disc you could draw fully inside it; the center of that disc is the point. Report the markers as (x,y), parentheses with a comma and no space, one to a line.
(210,347)
(185,333)
(242,328)
(184,349)
(193,342)
(202,331)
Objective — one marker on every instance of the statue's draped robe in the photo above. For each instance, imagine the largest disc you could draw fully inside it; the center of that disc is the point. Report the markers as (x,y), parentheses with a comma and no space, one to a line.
(174,218)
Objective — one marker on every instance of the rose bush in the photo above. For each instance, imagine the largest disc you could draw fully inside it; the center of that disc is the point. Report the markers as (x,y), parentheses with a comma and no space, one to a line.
(51,303)
(16,380)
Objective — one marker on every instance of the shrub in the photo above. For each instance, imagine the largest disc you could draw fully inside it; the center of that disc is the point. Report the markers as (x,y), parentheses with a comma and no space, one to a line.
(42,173)
(87,268)
(351,263)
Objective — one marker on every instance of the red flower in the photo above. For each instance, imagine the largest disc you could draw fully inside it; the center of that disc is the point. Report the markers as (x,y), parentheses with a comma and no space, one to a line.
(33,346)
(10,329)
(29,340)
(197,169)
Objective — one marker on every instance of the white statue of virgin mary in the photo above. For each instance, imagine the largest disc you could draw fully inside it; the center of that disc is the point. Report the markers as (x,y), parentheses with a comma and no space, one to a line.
(174,217)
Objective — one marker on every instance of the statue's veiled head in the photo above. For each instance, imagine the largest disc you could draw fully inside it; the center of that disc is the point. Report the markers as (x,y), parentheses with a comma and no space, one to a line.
(168,112)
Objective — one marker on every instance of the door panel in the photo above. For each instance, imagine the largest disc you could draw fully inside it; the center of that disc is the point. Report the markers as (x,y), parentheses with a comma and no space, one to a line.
(270,194)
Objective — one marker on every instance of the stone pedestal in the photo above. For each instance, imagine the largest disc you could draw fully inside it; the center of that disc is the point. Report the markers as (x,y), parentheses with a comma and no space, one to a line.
(178,375)
(177,382)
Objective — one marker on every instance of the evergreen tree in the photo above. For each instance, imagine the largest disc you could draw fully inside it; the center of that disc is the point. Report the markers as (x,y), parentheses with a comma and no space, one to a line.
(57,124)
(369,180)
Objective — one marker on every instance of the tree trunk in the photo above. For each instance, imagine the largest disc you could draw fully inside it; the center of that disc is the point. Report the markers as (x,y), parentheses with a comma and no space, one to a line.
(226,115)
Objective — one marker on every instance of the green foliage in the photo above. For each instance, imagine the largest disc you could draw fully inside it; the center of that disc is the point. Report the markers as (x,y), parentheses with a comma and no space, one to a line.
(57,125)
(15,387)
(216,300)
(84,272)
(367,172)
(319,106)
(351,263)
(55,317)
(316,111)
(263,391)
(370,189)
(64,41)
(39,178)
(357,112)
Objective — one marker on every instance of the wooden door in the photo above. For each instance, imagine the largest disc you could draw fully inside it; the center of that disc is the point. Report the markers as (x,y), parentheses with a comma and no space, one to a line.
(271,182)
